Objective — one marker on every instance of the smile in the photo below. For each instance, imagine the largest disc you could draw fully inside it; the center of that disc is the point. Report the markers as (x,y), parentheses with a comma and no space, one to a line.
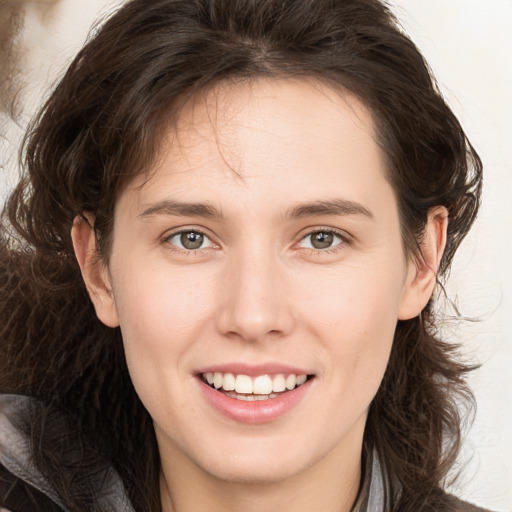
(246,388)
(252,394)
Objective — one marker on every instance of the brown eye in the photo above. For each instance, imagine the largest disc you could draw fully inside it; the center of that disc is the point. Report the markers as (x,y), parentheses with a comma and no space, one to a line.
(322,239)
(191,240)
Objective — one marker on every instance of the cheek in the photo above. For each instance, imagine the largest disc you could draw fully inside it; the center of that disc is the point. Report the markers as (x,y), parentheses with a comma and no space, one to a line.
(161,316)
(157,306)
(353,300)
(353,313)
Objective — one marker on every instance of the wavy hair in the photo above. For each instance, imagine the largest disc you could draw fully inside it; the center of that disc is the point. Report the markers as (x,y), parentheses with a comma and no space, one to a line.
(100,128)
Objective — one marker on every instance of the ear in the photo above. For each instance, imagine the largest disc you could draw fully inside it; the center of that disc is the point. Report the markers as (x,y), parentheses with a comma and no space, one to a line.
(94,271)
(422,271)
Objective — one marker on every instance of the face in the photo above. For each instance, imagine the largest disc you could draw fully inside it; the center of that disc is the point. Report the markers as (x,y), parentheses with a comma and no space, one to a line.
(257,277)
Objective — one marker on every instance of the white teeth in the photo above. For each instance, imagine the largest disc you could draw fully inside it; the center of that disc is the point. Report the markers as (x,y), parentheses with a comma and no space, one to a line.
(278,384)
(229,382)
(218,380)
(260,387)
(250,398)
(301,379)
(291,381)
(243,384)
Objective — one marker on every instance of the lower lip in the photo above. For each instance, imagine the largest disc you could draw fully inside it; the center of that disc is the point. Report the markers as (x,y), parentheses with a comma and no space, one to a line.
(258,411)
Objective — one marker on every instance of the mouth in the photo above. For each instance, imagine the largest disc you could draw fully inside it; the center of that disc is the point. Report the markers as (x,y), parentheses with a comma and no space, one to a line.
(257,388)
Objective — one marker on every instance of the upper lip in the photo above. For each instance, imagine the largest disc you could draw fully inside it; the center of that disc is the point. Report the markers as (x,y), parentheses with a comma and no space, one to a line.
(252,370)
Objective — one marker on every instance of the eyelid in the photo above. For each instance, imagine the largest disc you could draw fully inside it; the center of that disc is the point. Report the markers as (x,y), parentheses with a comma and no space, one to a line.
(346,238)
(169,235)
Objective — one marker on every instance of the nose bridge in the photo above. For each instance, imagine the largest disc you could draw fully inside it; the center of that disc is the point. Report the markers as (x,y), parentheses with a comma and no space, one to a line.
(255,301)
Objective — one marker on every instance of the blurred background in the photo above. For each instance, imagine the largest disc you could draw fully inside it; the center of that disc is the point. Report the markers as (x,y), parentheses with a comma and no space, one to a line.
(468,44)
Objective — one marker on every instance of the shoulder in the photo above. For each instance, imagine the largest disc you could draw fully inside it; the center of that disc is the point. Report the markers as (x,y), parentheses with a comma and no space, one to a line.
(22,486)
(45,458)
(18,495)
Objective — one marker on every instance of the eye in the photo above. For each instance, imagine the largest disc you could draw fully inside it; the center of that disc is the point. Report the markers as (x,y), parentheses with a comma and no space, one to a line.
(190,240)
(321,240)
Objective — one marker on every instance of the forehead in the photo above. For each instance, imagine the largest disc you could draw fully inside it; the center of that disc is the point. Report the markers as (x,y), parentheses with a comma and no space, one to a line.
(297,136)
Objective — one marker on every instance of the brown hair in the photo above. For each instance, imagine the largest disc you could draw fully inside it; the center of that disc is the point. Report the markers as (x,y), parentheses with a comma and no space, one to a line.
(99,129)
(11,23)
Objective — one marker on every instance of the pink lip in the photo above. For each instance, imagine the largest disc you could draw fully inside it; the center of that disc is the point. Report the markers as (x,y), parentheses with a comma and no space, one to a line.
(254,412)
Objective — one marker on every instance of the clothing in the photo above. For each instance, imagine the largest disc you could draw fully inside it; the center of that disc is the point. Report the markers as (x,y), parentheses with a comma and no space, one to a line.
(19,496)
(22,484)
(24,489)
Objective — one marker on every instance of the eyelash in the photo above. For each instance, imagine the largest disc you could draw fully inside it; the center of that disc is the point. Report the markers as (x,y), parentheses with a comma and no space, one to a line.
(167,240)
(343,238)
(343,241)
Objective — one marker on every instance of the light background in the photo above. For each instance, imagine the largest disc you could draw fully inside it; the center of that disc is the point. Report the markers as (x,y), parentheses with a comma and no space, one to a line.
(468,43)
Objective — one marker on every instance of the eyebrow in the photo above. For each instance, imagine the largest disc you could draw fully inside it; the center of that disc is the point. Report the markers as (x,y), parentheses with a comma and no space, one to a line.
(182,209)
(300,211)
(333,207)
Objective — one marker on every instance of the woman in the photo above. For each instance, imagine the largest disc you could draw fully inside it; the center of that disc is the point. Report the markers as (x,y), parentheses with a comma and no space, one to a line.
(218,271)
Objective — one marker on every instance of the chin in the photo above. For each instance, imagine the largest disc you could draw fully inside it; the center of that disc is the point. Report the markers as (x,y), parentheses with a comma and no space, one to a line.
(248,472)
(262,462)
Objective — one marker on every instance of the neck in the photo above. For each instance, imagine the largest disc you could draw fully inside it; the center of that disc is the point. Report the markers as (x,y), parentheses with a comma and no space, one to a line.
(327,485)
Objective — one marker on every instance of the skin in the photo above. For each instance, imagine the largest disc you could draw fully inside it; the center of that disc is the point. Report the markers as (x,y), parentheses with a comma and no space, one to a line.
(257,291)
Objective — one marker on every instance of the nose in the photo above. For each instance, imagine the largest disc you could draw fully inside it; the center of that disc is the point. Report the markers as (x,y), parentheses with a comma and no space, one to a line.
(256,302)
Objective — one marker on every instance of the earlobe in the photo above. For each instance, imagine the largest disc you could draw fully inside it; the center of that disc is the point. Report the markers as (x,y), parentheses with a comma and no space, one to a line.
(422,271)
(94,272)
